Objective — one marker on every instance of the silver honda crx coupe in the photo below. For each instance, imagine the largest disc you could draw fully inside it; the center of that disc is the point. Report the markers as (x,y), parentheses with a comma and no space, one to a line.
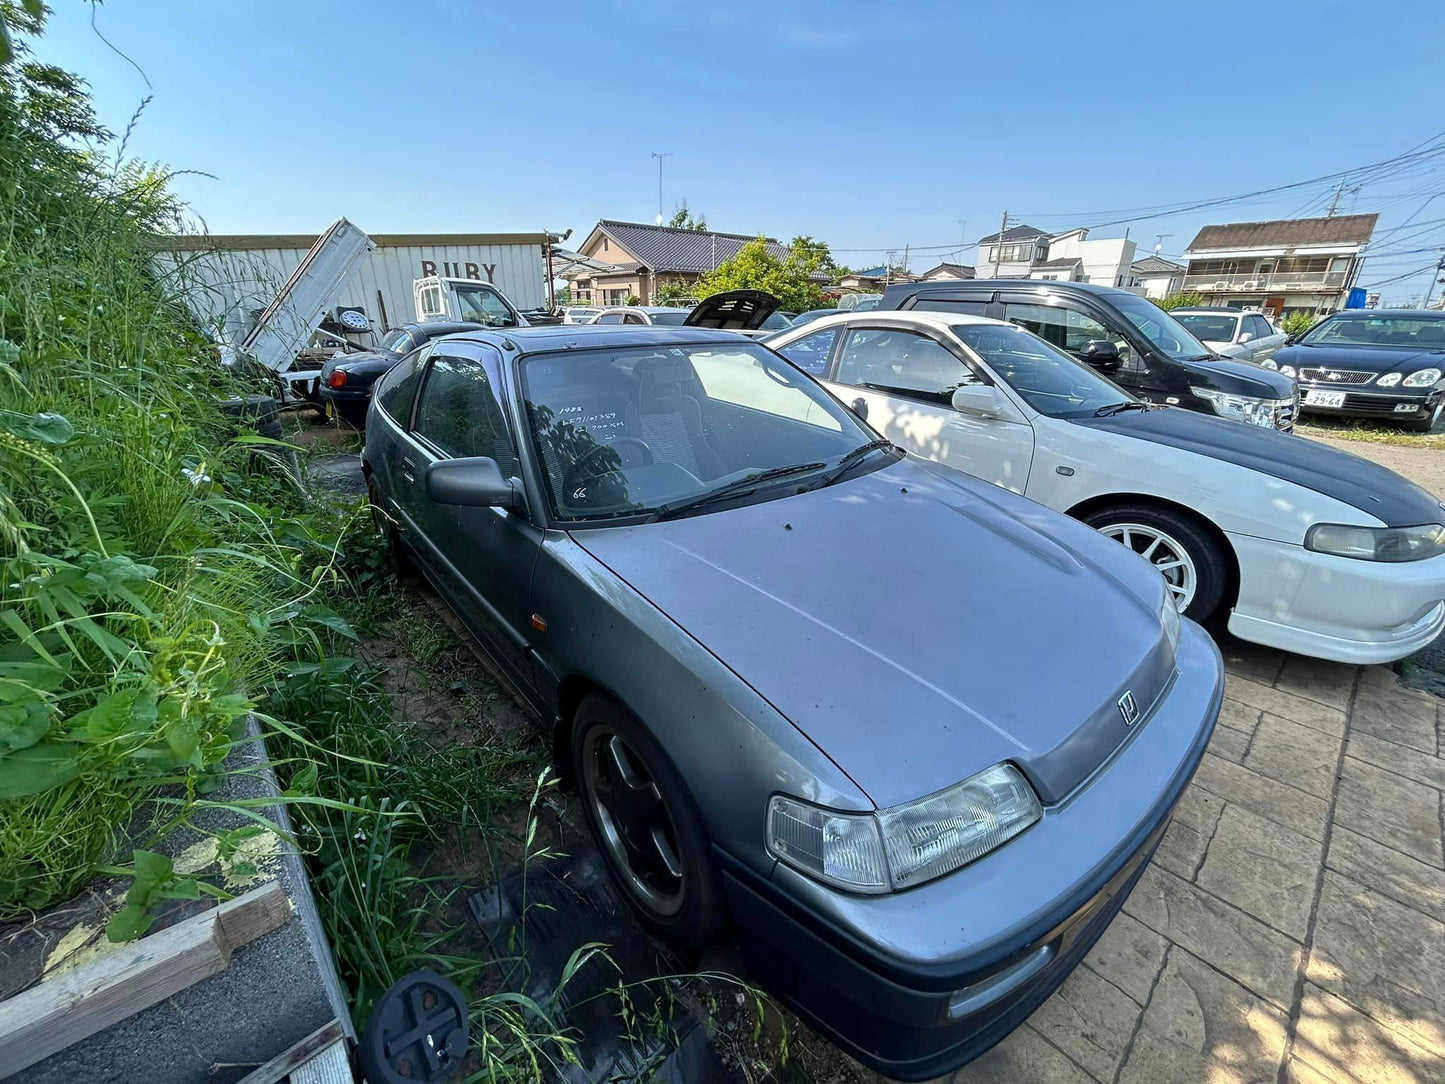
(906,736)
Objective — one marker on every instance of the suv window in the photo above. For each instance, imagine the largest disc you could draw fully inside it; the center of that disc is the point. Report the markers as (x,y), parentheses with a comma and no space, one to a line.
(946,304)
(811,352)
(1066,328)
(609,318)
(397,389)
(903,362)
(460,414)
(632,318)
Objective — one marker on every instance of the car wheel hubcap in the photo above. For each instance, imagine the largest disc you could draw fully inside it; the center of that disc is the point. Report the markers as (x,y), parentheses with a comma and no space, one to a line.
(1164,553)
(633,820)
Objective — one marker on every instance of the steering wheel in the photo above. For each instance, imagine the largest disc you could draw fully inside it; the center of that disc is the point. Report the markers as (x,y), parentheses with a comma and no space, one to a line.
(576,474)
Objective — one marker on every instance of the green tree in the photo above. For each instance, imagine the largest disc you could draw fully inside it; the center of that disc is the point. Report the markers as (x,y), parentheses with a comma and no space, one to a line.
(672,290)
(816,256)
(1297,322)
(682,219)
(1184,299)
(756,268)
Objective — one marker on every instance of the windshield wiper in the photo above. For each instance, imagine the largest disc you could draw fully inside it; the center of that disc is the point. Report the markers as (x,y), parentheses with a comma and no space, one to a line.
(846,463)
(735,488)
(1118,408)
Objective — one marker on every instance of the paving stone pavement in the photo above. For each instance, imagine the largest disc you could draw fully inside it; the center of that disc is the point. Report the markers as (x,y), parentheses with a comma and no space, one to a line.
(1291,928)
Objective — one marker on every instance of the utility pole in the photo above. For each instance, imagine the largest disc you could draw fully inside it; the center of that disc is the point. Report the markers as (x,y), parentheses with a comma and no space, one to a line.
(1430,288)
(660,157)
(998,247)
(1339,193)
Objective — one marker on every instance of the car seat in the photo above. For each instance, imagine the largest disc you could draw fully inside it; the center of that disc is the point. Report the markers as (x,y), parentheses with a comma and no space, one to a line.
(669,419)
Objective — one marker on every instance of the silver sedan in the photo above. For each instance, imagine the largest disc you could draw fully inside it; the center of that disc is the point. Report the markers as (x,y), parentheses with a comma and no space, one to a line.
(908,737)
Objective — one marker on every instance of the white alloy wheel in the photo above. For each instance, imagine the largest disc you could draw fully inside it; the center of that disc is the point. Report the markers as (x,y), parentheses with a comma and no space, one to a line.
(1165,553)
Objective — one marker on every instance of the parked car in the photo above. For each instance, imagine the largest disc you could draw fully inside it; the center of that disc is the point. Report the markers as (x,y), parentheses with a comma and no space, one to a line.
(347,380)
(748,312)
(812,314)
(579,314)
(1304,547)
(1248,336)
(909,736)
(1129,339)
(641,314)
(1385,364)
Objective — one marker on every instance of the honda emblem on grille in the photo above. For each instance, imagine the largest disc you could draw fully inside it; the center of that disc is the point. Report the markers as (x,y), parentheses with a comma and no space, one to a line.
(1128,709)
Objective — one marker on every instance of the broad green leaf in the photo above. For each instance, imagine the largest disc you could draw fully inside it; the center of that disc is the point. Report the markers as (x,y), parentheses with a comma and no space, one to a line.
(129,711)
(110,573)
(128,923)
(323,615)
(180,730)
(151,869)
(20,663)
(23,722)
(37,769)
(45,427)
(304,781)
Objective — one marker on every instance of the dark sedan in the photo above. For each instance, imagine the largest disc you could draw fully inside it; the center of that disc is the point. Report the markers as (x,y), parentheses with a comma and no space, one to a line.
(910,737)
(1385,364)
(347,379)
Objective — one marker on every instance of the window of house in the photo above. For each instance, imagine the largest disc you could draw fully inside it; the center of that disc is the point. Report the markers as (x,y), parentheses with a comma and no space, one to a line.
(902,362)
(460,415)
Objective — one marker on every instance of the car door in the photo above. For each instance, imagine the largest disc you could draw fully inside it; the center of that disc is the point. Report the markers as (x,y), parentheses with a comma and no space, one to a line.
(906,378)
(1266,340)
(481,558)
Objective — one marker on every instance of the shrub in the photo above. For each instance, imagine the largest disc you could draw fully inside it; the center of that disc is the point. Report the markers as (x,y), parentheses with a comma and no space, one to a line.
(1185,299)
(1297,322)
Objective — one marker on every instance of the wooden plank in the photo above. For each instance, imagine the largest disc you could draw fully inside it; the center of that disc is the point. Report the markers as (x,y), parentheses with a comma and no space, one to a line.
(331,1066)
(288,1061)
(76,1004)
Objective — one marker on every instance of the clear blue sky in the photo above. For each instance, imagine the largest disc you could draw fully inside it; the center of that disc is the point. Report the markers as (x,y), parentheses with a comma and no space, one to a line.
(868,125)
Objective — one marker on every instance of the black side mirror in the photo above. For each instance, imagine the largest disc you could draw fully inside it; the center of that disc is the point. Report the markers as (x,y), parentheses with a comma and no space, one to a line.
(1291,340)
(1101,354)
(476,482)
(859,406)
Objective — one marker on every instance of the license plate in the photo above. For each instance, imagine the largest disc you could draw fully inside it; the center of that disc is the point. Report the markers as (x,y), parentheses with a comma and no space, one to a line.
(1325,398)
(330,409)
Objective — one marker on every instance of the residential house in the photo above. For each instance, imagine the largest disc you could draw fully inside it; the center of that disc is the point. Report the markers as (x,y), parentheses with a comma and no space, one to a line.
(1282,266)
(634,258)
(947,272)
(874,279)
(1156,277)
(1027,252)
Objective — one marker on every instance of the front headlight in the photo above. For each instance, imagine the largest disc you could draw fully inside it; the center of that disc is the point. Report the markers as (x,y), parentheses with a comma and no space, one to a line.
(1377,543)
(1389,380)
(1243,408)
(907,844)
(1288,370)
(1422,378)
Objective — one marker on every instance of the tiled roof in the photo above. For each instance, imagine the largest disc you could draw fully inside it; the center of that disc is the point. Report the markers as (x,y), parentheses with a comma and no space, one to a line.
(1154,265)
(960,269)
(1285,232)
(663,248)
(1066,262)
(1016,233)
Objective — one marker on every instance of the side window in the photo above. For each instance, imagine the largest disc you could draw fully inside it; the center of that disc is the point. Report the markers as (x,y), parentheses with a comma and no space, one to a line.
(609,318)
(945,304)
(1068,329)
(811,352)
(904,362)
(460,414)
(397,389)
(632,318)
(1261,327)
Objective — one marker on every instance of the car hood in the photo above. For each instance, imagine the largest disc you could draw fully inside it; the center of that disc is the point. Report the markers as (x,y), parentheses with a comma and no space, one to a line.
(1244,378)
(733,310)
(1373,489)
(360,361)
(916,625)
(1373,359)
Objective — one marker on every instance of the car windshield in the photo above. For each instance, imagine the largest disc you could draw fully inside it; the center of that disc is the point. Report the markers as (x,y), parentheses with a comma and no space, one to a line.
(1165,334)
(397,340)
(672,316)
(624,432)
(776,321)
(1415,331)
(1213,326)
(1048,379)
(483,304)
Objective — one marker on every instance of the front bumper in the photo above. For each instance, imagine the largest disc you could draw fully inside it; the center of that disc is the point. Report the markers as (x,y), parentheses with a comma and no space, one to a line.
(1397,404)
(1337,608)
(916,983)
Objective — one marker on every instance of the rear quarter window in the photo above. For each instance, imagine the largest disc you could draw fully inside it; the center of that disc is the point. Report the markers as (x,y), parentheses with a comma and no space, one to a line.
(396,391)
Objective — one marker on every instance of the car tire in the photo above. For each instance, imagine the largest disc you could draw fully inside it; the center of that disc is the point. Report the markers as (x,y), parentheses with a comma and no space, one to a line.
(688,911)
(1204,560)
(1427,423)
(398,561)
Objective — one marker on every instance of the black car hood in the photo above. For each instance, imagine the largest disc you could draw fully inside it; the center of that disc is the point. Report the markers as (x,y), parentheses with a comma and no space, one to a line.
(1358,482)
(733,310)
(1245,379)
(1372,359)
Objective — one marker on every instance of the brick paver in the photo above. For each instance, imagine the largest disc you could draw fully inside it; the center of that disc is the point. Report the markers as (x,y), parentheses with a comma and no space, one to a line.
(1291,928)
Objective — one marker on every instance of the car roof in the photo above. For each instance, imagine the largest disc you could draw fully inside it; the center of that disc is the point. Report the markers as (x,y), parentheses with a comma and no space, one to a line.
(1413,314)
(928,317)
(1231,310)
(643,308)
(909,289)
(547,337)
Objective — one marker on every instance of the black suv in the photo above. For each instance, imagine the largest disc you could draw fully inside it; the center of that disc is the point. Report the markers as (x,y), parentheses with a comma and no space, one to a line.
(1128,338)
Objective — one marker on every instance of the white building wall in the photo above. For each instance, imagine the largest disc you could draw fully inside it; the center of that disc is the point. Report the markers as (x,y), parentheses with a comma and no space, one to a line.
(232,283)
(1157,286)
(1106,261)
